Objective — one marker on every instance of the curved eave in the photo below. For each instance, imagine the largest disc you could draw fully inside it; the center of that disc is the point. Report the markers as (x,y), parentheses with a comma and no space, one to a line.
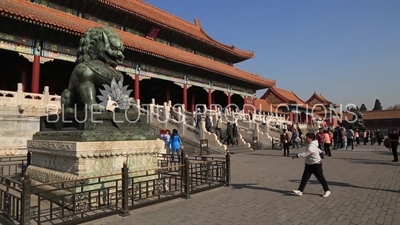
(39,15)
(286,100)
(151,13)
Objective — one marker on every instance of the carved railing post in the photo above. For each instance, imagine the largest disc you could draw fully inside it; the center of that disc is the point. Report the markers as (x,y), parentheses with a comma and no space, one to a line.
(20,95)
(181,119)
(202,129)
(166,116)
(26,200)
(150,112)
(125,188)
(46,96)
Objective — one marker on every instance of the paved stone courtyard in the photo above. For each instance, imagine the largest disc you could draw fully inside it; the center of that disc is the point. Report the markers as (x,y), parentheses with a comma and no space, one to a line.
(365,189)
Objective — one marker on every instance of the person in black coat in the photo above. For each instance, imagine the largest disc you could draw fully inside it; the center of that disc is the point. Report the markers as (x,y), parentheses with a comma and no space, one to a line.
(208,123)
(394,142)
(379,136)
(235,134)
(229,134)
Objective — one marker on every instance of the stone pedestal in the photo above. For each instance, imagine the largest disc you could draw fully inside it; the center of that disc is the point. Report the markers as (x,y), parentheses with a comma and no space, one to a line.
(15,131)
(59,161)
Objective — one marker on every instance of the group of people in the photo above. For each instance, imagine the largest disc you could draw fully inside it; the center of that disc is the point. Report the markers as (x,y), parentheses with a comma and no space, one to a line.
(173,143)
(228,135)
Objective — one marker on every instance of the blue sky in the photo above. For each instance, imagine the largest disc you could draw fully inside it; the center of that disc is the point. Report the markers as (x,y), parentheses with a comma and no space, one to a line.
(346,50)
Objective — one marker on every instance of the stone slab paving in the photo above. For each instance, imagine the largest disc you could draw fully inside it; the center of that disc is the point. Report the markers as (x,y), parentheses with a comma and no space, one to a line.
(365,190)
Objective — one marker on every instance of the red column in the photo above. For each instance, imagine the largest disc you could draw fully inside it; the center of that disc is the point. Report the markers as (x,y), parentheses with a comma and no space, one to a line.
(209,98)
(35,74)
(137,87)
(229,98)
(291,119)
(185,96)
(193,102)
(168,93)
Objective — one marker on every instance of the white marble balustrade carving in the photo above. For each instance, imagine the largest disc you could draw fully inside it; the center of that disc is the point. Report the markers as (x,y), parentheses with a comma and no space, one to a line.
(29,104)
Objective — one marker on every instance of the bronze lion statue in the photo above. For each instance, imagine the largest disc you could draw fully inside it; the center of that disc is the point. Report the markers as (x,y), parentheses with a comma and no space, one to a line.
(100,52)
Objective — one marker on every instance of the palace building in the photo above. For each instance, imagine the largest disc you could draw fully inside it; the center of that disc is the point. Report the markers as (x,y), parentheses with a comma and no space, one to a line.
(166,58)
(376,119)
(279,101)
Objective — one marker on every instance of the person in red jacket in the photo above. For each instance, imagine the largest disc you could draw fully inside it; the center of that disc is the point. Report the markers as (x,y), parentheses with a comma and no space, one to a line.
(320,138)
(327,139)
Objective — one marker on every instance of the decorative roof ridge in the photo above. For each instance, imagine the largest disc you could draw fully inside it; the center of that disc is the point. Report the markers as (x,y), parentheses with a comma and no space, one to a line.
(263,78)
(197,32)
(299,98)
(23,10)
(232,47)
(276,91)
(319,97)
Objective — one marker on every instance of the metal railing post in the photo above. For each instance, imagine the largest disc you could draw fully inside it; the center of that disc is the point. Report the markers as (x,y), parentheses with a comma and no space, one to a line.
(125,181)
(186,177)
(29,158)
(182,156)
(26,200)
(228,169)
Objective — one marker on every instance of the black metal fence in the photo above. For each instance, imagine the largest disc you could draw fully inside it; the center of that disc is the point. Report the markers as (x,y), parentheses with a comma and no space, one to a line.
(25,201)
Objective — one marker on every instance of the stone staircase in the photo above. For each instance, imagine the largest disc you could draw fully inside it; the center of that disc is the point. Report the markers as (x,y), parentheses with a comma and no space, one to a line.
(159,117)
(247,130)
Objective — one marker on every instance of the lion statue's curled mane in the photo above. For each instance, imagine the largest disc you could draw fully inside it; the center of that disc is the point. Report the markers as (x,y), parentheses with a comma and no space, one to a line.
(92,43)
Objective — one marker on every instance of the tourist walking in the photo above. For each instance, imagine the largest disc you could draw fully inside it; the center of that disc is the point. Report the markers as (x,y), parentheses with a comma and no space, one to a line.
(285,142)
(327,143)
(342,136)
(336,139)
(365,137)
(394,143)
(372,136)
(208,123)
(313,166)
(379,136)
(235,134)
(320,137)
(175,143)
(198,118)
(229,134)
(357,136)
(295,139)
(218,128)
(350,139)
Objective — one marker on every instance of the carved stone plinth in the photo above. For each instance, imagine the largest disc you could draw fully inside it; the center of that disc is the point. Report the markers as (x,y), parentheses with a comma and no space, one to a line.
(95,126)
(55,161)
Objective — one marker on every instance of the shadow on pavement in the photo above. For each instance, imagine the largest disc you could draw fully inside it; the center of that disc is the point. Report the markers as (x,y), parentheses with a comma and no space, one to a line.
(266,155)
(340,184)
(253,187)
(385,153)
(371,161)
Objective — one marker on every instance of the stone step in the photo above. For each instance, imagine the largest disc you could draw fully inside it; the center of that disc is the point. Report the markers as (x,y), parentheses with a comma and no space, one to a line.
(238,149)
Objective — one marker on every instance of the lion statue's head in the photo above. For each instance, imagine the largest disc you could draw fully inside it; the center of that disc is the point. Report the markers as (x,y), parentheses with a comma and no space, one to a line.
(101,43)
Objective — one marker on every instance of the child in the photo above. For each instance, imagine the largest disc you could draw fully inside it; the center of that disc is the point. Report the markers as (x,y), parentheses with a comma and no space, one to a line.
(345,141)
(166,136)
